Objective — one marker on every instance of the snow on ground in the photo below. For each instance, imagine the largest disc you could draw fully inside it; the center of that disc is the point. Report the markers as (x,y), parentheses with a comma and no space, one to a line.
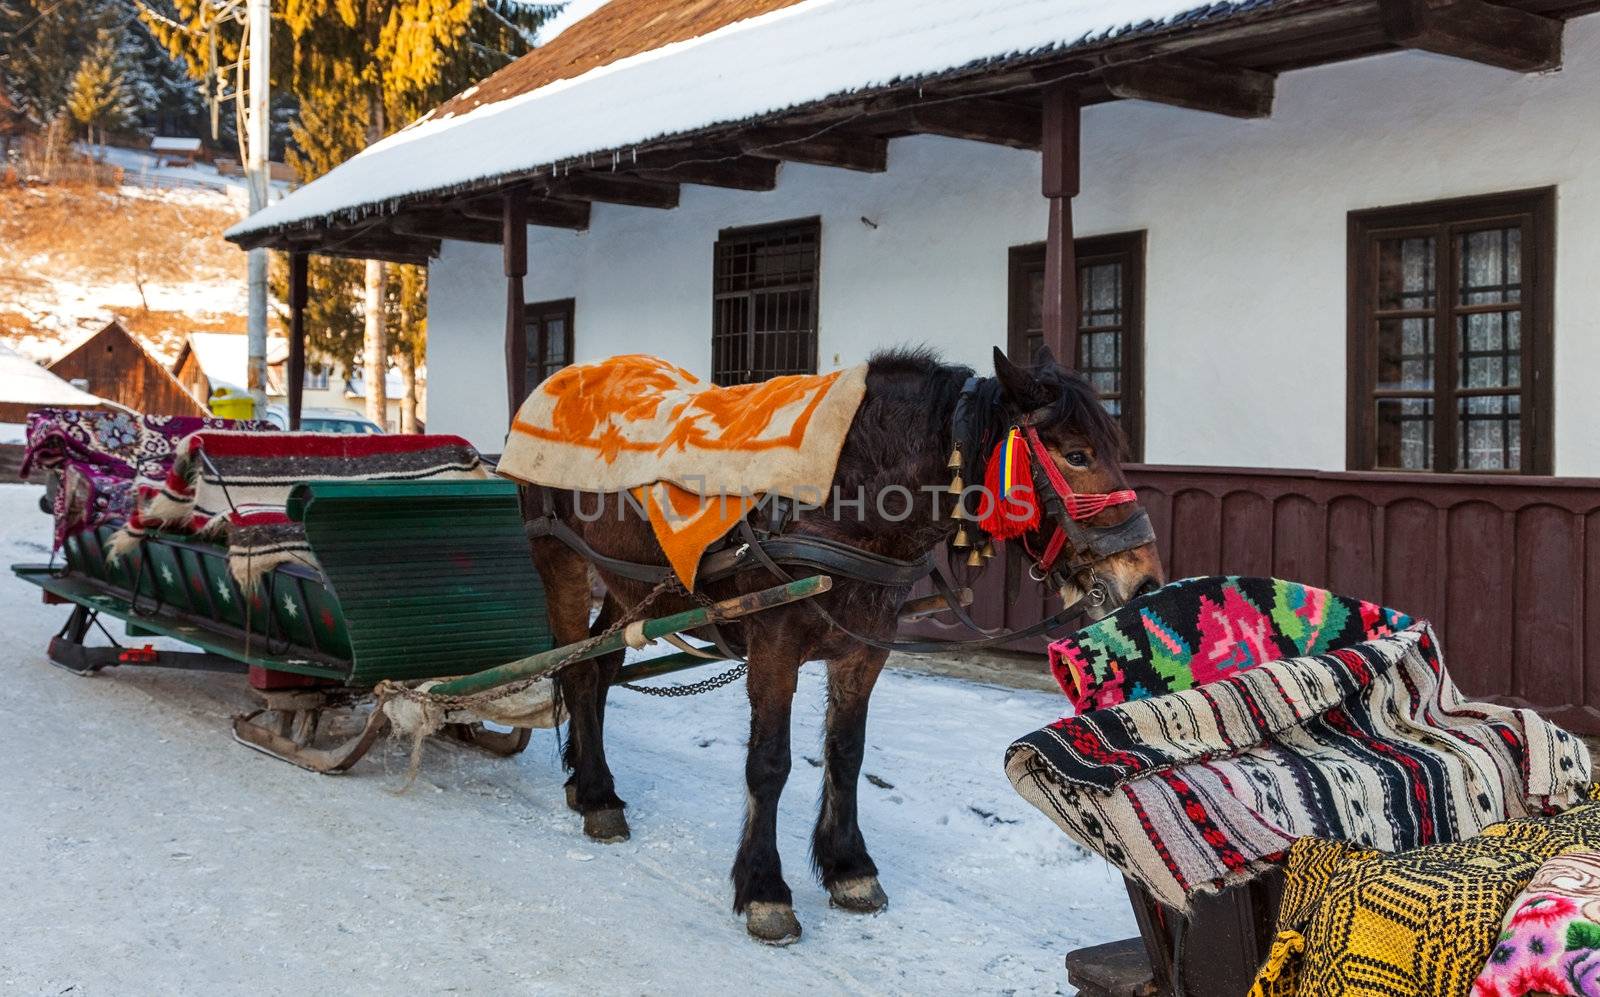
(146,852)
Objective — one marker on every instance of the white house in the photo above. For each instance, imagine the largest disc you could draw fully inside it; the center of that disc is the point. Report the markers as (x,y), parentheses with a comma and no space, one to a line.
(1303,246)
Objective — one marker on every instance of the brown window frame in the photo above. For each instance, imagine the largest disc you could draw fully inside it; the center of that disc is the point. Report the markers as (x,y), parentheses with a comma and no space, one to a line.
(538,312)
(1534,211)
(731,237)
(1126,248)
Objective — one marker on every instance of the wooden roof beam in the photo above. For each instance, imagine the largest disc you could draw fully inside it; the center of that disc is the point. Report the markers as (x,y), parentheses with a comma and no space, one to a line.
(613,189)
(572,215)
(446,225)
(1476,31)
(978,120)
(735,173)
(844,150)
(1194,84)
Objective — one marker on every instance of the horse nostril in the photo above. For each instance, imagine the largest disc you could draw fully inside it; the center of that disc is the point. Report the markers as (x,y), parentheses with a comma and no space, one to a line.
(1146,587)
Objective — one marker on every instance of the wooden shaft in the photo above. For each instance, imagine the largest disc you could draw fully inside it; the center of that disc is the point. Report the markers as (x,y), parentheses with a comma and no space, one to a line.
(1060,186)
(299,279)
(514,244)
(728,609)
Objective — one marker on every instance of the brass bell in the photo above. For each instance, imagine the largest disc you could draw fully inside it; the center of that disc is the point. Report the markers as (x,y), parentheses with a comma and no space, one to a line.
(974,559)
(955,460)
(957,486)
(961,537)
(988,549)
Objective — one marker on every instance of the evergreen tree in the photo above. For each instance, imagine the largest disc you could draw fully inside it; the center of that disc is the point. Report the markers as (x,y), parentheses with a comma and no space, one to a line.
(99,97)
(357,68)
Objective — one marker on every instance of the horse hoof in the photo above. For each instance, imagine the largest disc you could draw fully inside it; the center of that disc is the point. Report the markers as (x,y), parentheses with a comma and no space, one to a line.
(862,895)
(772,923)
(606,826)
(572,797)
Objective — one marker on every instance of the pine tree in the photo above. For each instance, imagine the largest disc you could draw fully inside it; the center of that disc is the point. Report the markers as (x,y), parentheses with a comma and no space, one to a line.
(364,64)
(99,97)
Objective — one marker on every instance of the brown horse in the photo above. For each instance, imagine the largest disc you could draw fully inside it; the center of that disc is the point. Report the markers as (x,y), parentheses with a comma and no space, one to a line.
(900,439)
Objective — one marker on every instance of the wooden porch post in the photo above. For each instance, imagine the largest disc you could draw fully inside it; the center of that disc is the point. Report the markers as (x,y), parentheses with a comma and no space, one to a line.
(298,284)
(514,245)
(1060,187)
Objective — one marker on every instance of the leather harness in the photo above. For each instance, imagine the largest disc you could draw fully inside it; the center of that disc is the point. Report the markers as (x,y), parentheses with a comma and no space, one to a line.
(777,551)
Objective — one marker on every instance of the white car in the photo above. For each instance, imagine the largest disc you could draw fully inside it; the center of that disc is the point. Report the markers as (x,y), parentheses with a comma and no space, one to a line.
(325,420)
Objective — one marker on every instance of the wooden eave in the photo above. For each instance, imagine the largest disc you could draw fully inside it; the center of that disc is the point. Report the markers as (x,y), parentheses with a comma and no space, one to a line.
(992,102)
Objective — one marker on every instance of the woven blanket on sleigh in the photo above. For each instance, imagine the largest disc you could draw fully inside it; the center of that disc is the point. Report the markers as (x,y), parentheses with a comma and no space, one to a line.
(232,487)
(1225,718)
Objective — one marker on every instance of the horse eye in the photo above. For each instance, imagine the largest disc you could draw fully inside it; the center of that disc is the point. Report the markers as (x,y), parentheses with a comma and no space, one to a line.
(1078,458)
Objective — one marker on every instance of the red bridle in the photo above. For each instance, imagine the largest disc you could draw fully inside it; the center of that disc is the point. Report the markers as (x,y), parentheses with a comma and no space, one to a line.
(1078,506)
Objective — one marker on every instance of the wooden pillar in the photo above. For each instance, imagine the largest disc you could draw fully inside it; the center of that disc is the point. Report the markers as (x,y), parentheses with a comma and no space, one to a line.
(298,286)
(514,246)
(1060,187)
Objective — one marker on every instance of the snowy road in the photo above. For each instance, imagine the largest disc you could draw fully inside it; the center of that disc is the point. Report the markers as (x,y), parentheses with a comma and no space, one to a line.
(143,852)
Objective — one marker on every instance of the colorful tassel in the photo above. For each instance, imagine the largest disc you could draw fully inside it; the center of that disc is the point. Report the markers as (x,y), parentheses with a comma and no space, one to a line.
(1009,505)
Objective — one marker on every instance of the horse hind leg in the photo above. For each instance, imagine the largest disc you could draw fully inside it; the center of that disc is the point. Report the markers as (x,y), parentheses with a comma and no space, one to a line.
(838,850)
(590,790)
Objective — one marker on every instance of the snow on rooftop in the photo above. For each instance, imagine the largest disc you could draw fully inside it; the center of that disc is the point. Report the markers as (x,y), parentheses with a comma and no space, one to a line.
(169,143)
(24,382)
(224,357)
(765,64)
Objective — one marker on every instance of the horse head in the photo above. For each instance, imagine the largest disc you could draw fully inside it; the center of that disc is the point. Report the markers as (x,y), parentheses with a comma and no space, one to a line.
(1092,540)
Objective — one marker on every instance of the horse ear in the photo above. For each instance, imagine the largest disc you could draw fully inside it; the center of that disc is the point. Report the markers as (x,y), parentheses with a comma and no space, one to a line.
(1043,357)
(1021,387)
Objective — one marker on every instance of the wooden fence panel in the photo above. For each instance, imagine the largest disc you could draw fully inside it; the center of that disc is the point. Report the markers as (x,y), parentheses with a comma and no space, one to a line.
(1506,567)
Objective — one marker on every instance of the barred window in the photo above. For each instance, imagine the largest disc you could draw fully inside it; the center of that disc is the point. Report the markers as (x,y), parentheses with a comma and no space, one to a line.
(316,377)
(1109,344)
(1450,335)
(764,302)
(548,326)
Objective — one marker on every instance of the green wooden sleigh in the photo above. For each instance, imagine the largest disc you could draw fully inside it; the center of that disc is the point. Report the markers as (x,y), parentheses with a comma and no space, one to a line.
(418,581)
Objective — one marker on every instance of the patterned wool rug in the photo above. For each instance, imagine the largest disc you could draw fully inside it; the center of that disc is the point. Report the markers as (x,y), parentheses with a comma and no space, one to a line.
(101,454)
(234,486)
(697,456)
(1205,787)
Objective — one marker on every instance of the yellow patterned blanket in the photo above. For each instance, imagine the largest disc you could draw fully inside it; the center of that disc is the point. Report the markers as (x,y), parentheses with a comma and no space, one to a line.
(1358,923)
(696,455)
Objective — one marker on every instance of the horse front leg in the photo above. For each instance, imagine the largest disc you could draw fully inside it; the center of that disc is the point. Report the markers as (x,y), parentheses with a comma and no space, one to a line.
(759,891)
(838,850)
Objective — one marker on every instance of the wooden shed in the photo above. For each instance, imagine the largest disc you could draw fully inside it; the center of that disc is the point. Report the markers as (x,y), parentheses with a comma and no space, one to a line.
(118,367)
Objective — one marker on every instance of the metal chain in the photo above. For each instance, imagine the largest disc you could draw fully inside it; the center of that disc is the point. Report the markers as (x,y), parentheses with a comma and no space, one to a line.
(728,677)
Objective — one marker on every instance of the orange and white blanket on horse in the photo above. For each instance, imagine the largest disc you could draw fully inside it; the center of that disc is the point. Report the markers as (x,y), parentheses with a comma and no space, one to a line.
(696,456)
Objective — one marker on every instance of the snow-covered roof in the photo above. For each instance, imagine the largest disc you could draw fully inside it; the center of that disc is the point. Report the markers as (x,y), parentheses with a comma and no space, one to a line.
(224,357)
(393,387)
(23,382)
(170,143)
(795,54)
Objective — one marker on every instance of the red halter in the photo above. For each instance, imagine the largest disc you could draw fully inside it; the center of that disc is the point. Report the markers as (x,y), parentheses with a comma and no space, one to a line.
(1079,507)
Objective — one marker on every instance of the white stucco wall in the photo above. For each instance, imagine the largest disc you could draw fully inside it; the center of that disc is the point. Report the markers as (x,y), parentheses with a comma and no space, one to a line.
(1245,266)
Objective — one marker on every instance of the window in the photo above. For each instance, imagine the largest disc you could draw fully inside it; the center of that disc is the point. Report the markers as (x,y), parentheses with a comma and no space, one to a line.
(764,302)
(316,377)
(1450,335)
(1108,349)
(549,331)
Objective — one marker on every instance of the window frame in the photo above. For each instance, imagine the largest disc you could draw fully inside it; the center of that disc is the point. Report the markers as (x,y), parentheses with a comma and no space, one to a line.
(727,236)
(1127,248)
(536,311)
(1534,211)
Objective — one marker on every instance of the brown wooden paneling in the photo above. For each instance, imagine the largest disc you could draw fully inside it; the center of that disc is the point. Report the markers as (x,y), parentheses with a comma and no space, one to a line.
(1506,567)
(119,369)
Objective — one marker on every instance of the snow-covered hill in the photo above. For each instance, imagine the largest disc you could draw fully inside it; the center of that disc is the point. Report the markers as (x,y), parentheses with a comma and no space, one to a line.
(149,253)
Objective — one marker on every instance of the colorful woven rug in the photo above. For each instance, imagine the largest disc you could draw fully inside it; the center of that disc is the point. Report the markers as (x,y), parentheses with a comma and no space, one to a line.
(696,455)
(1358,923)
(1205,787)
(1197,631)
(234,485)
(101,454)
(1550,937)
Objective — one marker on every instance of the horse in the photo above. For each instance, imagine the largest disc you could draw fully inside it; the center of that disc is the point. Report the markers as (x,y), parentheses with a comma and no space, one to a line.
(901,438)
